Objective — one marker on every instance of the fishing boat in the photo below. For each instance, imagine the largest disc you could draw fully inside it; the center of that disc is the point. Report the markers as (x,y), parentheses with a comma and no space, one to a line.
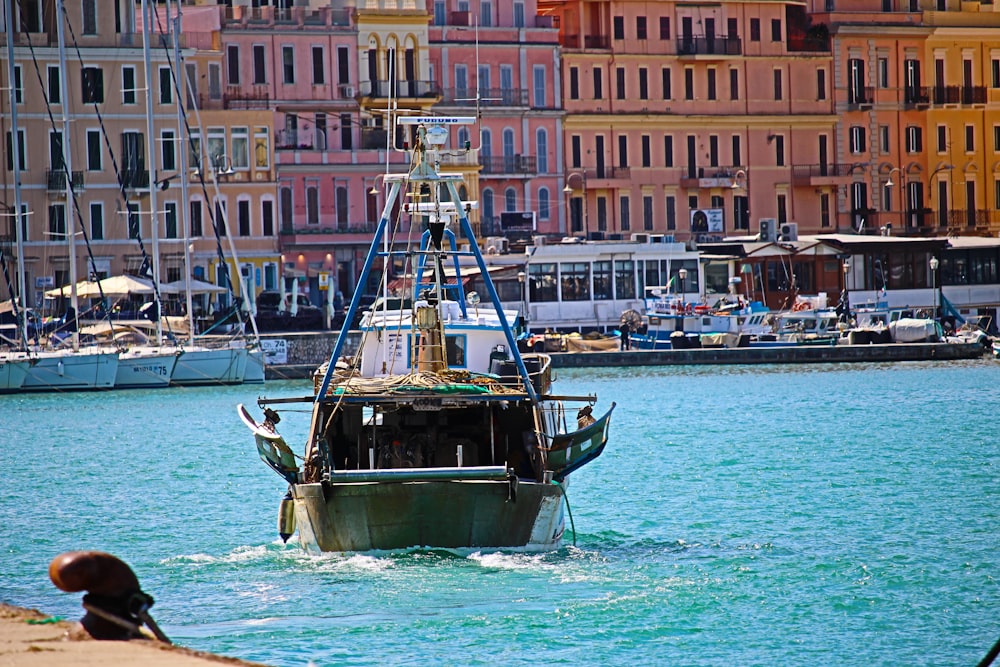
(438,432)
(671,323)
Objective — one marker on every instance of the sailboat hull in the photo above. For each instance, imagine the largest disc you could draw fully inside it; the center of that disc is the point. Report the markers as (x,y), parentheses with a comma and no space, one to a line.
(145,368)
(255,367)
(13,373)
(64,371)
(446,514)
(202,366)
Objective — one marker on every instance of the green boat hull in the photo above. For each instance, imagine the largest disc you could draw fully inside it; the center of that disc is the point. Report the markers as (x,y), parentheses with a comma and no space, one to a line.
(446,514)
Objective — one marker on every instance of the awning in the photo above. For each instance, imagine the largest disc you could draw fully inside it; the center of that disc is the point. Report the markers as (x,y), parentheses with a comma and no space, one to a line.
(115,286)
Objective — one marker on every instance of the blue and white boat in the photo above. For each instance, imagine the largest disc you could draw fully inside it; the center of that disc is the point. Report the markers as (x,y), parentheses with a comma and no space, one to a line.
(438,432)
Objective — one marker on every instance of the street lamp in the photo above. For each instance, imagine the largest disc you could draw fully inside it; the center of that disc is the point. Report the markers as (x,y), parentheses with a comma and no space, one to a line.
(845,303)
(934,267)
(569,190)
(682,274)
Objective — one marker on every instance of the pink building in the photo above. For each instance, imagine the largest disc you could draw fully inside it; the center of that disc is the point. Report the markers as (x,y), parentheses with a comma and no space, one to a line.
(503,59)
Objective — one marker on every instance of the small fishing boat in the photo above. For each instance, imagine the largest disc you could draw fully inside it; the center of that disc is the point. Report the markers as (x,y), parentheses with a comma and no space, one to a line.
(438,432)
(672,323)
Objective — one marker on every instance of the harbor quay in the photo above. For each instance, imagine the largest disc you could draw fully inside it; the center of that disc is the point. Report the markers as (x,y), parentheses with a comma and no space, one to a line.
(298,355)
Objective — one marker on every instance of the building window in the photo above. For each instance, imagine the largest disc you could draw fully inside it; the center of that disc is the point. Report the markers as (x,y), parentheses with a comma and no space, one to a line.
(510,200)
(53,90)
(737,152)
(643,83)
(18,87)
(671,205)
(133,220)
(619,27)
(996,138)
(243,216)
(824,210)
(640,27)
(664,27)
(622,150)
(233,64)
(775,30)
(777,84)
(287,65)
(94,145)
(542,150)
(857,139)
(882,65)
(688,83)
(544,205)
(518,14)
(734,84)
(754,30)
(598,83)
(168,151)
(312,204)
(646,151)
(914,139)
(576,150)
(574,83)
(240,148)
(883,138)
(259,65)
(779,150)
(574,280)
(170,220)
(92,82)
(128,84)
(711,83)
(538,78)
(620,83)
(602,213)
(970,139)
(713,150)
(668,151)
(89,17)
(782,209)
(267,217)
(665,77)
(626,224)
(166,86)
(624,279)
(195,210)
(821,84)
(995,69)
(647,212)
(942,139)
(318,66)
(96,221)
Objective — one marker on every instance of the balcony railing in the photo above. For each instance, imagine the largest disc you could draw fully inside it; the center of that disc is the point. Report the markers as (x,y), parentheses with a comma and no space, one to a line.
(821,170)
(703,46)
(257,17)
(946,94)
(858,96)
(969,220)
(488,97)
(509,164)
(916,95)
(806,43)
(973,95)
(259,97)
(56,180)
(407,89)
(590,42)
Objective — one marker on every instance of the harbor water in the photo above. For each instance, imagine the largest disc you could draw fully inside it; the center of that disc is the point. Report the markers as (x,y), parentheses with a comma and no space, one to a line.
(802,515)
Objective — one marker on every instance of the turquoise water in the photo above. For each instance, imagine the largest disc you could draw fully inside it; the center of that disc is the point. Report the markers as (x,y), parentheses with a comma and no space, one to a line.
(741,516)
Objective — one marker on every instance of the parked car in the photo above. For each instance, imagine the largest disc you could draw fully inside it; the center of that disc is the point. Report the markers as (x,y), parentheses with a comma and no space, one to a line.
(271,317)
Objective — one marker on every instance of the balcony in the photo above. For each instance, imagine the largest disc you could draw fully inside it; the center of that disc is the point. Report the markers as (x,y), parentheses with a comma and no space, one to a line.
(916,96)
(969,221)
(821,174)
(946,95)
(860,96)
(400,89)
(590,42)
(268,17)
(509,165)
(815,42)
(709,46)
(259,97)
(56,180)
(488,97)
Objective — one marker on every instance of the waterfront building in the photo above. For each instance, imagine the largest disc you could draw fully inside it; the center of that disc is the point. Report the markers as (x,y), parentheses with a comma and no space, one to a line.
(502,60)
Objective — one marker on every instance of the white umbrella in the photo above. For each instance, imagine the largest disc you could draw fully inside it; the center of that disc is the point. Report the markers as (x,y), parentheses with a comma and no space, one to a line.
(295,298)
(114,286)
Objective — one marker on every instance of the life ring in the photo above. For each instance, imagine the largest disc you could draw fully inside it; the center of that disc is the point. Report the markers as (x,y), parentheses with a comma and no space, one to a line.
(799,306)
(702,309)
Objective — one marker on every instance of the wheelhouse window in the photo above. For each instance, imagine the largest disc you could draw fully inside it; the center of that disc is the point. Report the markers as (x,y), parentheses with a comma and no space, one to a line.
(543,283)
(575,281)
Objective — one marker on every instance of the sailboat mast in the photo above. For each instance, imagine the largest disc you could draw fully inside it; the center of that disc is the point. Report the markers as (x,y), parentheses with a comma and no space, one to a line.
(17,150)
(67,168)
(182,134)
(147,27)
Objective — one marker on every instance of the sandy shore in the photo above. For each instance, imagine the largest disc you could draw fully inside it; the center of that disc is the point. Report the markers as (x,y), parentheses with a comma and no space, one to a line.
(24,642)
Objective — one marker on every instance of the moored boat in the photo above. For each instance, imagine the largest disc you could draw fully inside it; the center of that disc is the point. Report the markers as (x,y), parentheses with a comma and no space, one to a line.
(438,433)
